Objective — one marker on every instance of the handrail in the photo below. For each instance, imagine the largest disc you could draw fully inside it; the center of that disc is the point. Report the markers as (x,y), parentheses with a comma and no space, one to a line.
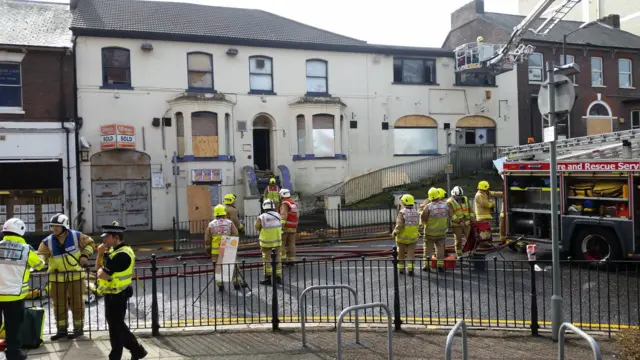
(302,313)
(561,332)
(462,326)
(362,307)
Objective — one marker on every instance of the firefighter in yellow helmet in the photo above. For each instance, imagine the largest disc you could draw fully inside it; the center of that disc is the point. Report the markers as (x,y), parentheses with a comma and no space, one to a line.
(232,212)
(461,217)
(407,232)
(435,218)
(213,236)
(272,192)
(484,207)
(67,252)
(269,223)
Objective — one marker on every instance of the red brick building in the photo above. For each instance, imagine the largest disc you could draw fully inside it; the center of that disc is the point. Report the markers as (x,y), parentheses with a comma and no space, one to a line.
(37,106)
(606,95)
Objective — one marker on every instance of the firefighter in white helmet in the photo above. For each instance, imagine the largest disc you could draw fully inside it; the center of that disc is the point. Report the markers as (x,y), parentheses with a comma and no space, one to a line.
(269,223)
(407,232)
(67,251)
(289,212)
(461,217)
(16,260)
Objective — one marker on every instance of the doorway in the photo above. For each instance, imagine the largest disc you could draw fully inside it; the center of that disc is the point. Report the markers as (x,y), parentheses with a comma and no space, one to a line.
(262,142)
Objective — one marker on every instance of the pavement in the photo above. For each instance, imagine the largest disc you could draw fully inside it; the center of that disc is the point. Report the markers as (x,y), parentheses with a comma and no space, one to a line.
(261,344)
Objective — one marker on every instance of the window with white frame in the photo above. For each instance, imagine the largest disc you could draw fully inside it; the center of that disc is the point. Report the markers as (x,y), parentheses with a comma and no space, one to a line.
(625,78)
(10,85)
(323,135)
(261,74)
(536,67)
(570,59)
(200,71)
(596,72)
(635,119)
(317,77)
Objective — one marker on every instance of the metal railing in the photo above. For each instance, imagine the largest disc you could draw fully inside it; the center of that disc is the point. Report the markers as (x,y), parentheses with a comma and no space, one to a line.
(364,307)
(303,313)
(448,349)
(597,355)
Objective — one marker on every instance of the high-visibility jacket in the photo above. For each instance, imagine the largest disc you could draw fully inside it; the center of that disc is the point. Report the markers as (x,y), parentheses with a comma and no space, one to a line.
(410,232)
(218,228)
(438,216)
(271,232)
(272,192)
(291,222)
(16,259)
(460,210)
(64,263)
(119,280)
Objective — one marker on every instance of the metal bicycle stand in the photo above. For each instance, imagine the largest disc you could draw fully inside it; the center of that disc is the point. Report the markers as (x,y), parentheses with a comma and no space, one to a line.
(592,342)
(362,307)
(302,312)
(462,327)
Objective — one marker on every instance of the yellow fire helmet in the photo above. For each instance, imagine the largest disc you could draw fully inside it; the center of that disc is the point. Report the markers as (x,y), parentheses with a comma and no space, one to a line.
(443,193)
(219,210)
(407,199)
(479,39)
(229,199)
(433,194)
(272,181)
(483,185)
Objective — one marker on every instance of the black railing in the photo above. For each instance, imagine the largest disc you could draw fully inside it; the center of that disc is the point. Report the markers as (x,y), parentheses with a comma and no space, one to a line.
(485,293)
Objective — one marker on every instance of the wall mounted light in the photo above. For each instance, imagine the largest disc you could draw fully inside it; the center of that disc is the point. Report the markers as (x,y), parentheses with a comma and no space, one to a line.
(146,46)
(232,52)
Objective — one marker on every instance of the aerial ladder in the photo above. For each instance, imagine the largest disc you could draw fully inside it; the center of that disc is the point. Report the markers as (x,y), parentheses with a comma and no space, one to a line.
(480,57)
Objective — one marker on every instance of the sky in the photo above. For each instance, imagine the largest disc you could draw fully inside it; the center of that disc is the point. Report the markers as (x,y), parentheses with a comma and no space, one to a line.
(422,23)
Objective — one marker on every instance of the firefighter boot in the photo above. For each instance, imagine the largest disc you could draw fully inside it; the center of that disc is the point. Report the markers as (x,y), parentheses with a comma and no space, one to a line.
(75,334)
(266,281)
(60,334)
(279,279)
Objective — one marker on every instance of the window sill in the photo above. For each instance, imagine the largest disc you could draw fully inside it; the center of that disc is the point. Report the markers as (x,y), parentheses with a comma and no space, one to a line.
(414,84)
(435,153)
(627,87)
(535,82)
(495,86)
(313,157)
(188,158)
(201,90)
(598,86)
(116,87)
(261,92)
(12,110)
(314,94)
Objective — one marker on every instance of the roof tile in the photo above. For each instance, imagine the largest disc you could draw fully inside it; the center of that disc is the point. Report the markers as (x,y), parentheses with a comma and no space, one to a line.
(32,23)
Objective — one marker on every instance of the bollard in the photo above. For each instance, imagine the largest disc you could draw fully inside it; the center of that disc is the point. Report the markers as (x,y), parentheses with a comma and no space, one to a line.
(534,299)
(274,298)
(396,291)
(155,321)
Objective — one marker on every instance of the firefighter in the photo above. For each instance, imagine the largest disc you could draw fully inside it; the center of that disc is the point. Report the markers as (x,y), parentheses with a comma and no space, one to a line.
(215,230)
(272,192)
(269,224)
(115,275)
(406,233)
(484,208)
(66,251)
(289,212)
(232,212)
(460,217)
(435,218)
(16,259)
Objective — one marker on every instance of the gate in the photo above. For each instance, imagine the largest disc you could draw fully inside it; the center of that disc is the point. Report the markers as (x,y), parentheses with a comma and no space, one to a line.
(125,201)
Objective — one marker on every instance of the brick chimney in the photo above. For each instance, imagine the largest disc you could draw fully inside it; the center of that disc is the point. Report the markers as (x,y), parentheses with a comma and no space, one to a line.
(467,13)
(612,20)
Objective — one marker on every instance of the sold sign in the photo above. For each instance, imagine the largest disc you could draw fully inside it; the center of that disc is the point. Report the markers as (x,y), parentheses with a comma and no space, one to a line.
(117,137)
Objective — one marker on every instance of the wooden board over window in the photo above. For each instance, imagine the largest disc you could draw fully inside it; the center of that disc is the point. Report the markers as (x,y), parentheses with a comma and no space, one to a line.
(199,208)
(476,122)
(416,121)
(596,126)
(205,146)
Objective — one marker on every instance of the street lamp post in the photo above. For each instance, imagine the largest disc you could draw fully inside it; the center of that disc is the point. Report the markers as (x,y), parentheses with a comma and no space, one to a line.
(583,26)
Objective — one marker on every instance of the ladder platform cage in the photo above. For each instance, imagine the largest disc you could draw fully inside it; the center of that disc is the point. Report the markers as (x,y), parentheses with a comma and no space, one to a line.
(480,57)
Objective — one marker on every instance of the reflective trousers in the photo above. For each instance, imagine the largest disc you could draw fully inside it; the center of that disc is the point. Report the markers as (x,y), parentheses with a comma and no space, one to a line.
(429,243)
(461,235)
(406,252)
(67,295)
(288,248)
(266,261)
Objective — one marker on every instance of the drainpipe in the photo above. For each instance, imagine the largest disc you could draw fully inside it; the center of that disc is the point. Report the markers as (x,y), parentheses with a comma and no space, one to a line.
(77,133)
(63,116)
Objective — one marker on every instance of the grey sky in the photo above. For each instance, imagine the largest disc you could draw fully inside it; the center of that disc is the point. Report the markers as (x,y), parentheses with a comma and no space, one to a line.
(399,22)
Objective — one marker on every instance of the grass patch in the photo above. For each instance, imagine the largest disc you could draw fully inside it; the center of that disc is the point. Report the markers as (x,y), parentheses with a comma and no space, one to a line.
(468,184)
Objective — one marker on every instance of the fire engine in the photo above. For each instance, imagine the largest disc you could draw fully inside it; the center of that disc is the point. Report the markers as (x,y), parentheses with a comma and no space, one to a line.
(598,182)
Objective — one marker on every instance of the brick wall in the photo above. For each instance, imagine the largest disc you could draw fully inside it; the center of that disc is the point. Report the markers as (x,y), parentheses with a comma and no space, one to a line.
(47,88)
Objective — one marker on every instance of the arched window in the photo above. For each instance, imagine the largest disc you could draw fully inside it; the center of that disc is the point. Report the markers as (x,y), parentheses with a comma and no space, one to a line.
(415,135)
(475,130)
(180,133)
(323,135)
(116,67)
(204,131)
(301,131)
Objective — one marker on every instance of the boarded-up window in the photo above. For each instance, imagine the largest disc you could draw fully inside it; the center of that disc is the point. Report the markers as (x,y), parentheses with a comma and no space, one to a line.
(323,136)
(415,135)
(180,133)
(204,131)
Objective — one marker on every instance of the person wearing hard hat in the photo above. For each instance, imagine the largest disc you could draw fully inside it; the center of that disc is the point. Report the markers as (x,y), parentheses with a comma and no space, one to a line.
(289,212)
(16,260)
(435,218)
(115,274)
(484,208)
(461,217)
(232,212)
(217,228)
(67,252)
(406,233)
(269,224)
(272,192)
